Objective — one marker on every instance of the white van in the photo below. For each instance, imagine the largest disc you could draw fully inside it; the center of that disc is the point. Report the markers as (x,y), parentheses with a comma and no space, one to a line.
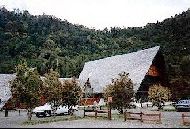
(46,110)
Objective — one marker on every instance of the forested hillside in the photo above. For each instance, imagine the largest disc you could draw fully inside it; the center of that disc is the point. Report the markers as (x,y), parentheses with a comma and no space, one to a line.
(46,41)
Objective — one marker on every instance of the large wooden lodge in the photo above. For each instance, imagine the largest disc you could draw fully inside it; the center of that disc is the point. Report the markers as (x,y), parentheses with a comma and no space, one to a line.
(145,67)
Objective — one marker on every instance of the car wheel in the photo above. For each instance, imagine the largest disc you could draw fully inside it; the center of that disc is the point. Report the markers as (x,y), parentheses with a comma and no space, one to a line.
(180,110)
(44,114)
(37,114)
(47,113)
(40,114)
(62,114)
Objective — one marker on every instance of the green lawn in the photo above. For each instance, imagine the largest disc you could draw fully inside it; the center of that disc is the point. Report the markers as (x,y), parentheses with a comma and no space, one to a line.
(50,119)
(69,117)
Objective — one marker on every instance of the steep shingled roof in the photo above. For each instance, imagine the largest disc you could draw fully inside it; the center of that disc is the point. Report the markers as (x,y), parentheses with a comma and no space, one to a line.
(100,72)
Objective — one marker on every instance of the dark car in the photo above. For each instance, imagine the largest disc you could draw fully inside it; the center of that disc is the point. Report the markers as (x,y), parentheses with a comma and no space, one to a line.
(183,105)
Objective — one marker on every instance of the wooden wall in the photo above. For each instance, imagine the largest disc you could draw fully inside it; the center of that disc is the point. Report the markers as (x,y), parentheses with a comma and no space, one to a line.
(153,71)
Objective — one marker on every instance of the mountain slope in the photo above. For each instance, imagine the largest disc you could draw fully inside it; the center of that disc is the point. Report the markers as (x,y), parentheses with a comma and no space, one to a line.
(49,42)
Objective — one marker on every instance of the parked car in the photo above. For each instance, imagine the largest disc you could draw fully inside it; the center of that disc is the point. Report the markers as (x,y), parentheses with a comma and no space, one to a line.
(183,105)
(46,110)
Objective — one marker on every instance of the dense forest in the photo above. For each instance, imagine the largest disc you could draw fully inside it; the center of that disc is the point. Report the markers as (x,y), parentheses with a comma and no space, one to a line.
(45,42)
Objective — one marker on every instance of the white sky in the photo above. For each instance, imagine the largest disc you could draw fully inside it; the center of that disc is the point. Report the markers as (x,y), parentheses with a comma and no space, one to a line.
(99,14)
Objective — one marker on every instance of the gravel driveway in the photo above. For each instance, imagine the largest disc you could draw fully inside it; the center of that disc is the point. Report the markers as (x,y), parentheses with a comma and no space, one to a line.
(169,120)
(13,119)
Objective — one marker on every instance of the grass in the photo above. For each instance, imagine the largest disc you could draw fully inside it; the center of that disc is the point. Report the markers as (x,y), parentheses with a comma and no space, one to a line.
(168,110)
(50,119)
(67,118)
(117,116)
(104,116)
(101,116)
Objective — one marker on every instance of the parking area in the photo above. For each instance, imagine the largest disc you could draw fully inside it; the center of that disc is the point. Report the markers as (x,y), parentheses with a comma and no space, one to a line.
(14,120)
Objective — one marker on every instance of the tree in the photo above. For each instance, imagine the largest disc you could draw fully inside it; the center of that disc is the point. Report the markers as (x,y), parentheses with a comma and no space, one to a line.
(180,84)
(185,65)
(53,89)
(52,40)
(159,94)
(121,91)
(49,56)
(26,87)
(72,93)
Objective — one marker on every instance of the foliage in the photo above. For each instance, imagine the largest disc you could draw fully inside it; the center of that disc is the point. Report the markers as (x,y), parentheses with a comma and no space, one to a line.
(57,92)
(158,94)
(53,89)
(72,92)
(26,87)
(180,80)
(48,42)
(181,84)
(121,91)
(185,65)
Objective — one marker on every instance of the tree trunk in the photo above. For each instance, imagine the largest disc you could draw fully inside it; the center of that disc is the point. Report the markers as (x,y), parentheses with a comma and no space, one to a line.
(121,111)
(6,113)
(70,111)
(29,114)
(54,110)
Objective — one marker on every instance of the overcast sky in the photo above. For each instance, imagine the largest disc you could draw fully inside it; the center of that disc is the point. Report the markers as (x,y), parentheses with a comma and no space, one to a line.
(99,14)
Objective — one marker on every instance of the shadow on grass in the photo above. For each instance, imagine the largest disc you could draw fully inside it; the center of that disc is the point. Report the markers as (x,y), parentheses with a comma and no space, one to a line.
(68,118)
(50,119)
